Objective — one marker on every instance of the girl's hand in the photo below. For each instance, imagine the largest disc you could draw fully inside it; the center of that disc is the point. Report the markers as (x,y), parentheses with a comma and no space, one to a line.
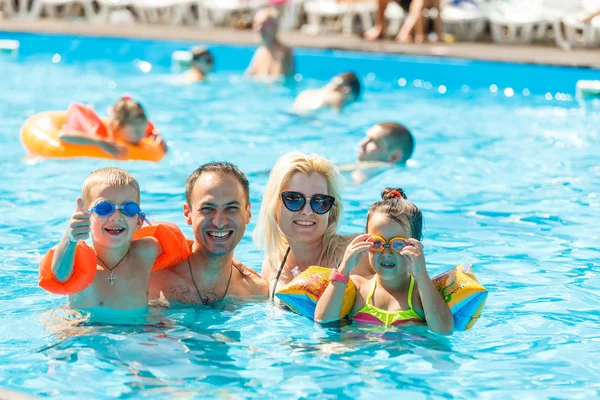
(355,251)
(414,252)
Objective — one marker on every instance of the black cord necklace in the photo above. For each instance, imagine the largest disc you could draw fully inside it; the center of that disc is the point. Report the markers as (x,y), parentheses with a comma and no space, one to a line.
(111,277)
(206,300)
(287,253)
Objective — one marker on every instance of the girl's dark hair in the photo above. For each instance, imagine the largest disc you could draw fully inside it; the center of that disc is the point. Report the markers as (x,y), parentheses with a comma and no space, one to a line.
(396,207)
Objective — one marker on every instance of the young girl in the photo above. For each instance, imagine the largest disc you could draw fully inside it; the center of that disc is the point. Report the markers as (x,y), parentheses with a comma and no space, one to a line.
(401,291)
(127,123)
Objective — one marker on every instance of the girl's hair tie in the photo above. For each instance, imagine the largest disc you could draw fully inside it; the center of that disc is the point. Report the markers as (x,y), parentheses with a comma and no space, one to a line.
(127,97)
(395,193)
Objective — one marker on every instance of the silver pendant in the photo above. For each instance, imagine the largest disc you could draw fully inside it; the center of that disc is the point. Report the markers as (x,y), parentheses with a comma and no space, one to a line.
(111,278)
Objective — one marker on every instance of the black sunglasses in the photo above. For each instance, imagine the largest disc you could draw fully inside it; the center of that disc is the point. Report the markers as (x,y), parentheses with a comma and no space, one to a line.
(319,203)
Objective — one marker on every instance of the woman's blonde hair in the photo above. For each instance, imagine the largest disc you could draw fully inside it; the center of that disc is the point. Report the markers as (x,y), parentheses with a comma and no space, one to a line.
(267,234)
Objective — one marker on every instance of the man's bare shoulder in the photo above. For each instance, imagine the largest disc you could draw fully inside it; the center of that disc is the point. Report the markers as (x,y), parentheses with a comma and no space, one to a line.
(165,279)
(250,285)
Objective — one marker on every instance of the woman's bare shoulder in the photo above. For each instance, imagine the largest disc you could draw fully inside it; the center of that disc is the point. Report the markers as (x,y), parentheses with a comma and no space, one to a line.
(266,269)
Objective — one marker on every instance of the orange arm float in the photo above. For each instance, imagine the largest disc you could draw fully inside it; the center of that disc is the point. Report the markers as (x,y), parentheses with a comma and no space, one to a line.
(84,271)
(174,244)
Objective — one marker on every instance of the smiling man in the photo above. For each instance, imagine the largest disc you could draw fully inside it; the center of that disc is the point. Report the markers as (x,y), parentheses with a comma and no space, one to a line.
(218,209)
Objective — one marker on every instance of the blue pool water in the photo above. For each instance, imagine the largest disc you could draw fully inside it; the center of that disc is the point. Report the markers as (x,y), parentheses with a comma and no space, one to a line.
(506,171)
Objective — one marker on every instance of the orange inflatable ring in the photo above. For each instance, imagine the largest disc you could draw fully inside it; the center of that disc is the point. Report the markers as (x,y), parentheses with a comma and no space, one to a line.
(175,249)
(40,137)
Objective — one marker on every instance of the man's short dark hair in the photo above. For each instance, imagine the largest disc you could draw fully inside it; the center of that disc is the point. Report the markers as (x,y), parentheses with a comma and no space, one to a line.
(200,52)
(351,80)
(399,137)
(216,167)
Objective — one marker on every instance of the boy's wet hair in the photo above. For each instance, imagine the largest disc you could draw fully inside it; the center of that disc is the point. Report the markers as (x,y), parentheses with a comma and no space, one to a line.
(112,177)
(351,80)
(399,137)
(395,206)
(200,52)
(127,111)
(220,168)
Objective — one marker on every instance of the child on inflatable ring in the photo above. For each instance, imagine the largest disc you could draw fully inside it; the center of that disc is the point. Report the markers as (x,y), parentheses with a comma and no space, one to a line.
(113,275)
(127,123)
(400,293)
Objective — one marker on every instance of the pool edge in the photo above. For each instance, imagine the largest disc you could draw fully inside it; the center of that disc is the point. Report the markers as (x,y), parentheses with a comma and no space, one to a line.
(521,54)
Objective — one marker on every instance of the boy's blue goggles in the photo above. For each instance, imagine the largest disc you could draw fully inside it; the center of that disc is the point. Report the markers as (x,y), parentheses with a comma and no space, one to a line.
(106,208)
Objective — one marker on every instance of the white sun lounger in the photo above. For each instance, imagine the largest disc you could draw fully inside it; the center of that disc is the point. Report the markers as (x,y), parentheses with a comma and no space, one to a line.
(466,21)
(173,12)
(515,22)
(576,32)
(51,8)
(326,15)
(215,12)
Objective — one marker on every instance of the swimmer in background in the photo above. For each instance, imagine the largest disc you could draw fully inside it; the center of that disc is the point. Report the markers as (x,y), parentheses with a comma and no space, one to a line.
(273,59)
(342,90)
(385,144)
(109,210)
(127,123)
(202,64)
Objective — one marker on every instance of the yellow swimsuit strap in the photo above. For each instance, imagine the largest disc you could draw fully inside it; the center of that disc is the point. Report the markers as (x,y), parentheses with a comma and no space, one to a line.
(389,317)
(410,292)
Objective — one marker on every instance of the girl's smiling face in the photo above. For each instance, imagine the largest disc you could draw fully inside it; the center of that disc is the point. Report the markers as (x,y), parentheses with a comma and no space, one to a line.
(388,264)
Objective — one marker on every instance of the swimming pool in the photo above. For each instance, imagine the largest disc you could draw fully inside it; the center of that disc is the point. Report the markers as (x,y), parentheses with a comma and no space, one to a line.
(505,169)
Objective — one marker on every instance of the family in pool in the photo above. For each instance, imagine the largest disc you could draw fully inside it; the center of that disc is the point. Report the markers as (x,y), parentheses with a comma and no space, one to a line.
(297,226)
(132,263)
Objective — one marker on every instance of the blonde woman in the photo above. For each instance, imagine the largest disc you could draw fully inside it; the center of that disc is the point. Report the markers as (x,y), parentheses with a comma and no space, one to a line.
(299,217)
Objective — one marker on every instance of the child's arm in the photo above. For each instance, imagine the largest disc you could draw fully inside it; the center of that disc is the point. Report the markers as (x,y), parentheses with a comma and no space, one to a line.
(329,306)
(111,148)
(437,314)
(64,256)
(162,244)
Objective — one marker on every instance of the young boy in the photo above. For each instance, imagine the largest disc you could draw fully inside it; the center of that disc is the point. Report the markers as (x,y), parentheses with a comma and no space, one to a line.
(202,64)
(385,144)
(111,278)
(341,90)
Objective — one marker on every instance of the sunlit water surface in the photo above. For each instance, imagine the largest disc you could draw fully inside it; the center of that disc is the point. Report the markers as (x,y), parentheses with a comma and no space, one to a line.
(508,180)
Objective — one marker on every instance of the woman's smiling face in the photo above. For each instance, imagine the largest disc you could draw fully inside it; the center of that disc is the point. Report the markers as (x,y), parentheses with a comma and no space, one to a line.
(305,225)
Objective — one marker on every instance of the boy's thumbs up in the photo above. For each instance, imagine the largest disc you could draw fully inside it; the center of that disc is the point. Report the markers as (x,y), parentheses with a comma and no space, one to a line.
(79,226)
(79,204)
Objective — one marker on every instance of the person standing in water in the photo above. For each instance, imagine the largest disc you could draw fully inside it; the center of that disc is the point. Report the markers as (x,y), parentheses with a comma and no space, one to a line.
(272,59)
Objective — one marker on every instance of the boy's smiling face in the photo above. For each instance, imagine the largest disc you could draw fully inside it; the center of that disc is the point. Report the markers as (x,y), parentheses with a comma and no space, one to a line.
(114,230)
